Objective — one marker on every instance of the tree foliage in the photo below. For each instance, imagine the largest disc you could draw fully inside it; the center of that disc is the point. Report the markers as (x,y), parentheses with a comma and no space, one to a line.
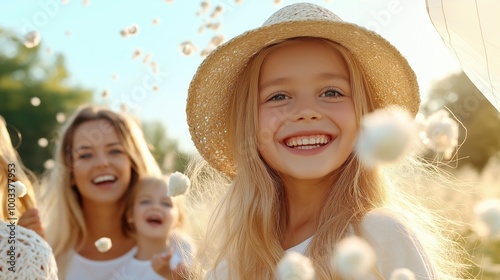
(24,75)
(475,112)
(164,149)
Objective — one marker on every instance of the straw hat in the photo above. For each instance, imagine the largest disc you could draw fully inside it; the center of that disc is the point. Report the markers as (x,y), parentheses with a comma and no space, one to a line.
(387,71)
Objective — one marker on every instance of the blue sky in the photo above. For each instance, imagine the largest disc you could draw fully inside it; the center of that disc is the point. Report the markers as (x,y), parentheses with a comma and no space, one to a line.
(99,58)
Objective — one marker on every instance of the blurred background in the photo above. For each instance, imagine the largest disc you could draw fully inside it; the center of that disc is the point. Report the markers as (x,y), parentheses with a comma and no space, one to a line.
(139,57)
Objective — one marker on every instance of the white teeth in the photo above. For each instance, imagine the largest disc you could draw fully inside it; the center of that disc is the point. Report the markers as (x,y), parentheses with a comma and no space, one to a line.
(104,178)
(308,147)
(316,140)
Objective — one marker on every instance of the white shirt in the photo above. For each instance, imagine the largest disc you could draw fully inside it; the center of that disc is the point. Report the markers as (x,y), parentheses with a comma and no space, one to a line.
(394,247)
(137,270)
(81,268)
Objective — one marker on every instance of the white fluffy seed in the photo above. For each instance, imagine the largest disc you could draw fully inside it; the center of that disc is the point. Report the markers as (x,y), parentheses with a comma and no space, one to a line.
(178,184)
(295,266)
(103,244)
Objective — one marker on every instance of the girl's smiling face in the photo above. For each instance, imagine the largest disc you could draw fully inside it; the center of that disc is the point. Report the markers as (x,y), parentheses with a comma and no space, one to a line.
(154,213)
(101,167)
(307,123)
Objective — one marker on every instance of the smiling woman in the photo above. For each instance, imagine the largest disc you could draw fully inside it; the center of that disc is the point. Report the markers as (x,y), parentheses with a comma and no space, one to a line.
(99,157)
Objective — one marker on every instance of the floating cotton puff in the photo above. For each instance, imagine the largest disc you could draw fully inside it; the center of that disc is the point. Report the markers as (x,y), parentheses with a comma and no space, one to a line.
(103,244)
(187,48)
(178,184)
(217,11)
(136,54)
(131,30)
(115,76)
(86,2)
(353,257)
(105,93)
(441,133)
(204,7)
(488,213)
(278,2)
(49,164)
(204,53)
(154,67)
(35,101)
(217,40)
(60,117)
(385,135)
(31,39)
(20,189)
(402,274)
(214,25)
(156,21)
(295,266)
(43,142)
(146,58)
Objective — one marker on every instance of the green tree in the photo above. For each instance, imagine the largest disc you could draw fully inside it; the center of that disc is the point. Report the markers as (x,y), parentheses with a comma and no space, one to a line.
(475,112)
(26,78)
(164,149)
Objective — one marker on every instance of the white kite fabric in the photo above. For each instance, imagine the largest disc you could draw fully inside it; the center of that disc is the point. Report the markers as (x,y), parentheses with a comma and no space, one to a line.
(32,256)
(470,30)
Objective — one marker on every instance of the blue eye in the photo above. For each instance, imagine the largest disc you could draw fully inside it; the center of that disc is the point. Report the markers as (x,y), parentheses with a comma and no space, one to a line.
(144,202)
(332,93)
(278,97)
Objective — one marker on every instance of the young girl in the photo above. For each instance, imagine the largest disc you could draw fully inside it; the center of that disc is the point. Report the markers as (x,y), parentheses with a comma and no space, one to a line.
(156,220)
(99,157)
(20,226)
(278,110)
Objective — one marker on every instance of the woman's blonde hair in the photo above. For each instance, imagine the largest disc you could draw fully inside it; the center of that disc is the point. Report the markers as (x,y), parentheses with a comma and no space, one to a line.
(66,224)
(247,225)
(11,163)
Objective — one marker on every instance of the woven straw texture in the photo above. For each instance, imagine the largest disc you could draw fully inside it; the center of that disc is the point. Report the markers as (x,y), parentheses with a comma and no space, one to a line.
(387,71)
(34,259)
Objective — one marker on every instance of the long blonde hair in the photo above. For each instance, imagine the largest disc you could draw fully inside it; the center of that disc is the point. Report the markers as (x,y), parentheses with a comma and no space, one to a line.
(11,163)
(247,225)
(66,224)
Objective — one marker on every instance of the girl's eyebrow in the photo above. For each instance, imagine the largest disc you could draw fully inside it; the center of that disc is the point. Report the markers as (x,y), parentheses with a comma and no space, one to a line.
(330,75)
(85,147)
(272,82)
(324,75)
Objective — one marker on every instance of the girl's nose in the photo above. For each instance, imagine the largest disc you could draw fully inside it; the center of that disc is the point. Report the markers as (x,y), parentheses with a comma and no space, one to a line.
(307,110)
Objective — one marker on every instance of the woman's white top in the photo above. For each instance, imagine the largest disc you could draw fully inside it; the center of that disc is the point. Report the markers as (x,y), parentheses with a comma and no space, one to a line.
(80,268)
(394,247)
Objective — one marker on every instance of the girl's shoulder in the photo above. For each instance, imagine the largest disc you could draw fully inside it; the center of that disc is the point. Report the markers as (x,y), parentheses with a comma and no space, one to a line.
(383,221)
(395,243)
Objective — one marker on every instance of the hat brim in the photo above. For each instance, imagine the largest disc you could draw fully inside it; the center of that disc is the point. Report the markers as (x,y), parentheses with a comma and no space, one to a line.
(388,73)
